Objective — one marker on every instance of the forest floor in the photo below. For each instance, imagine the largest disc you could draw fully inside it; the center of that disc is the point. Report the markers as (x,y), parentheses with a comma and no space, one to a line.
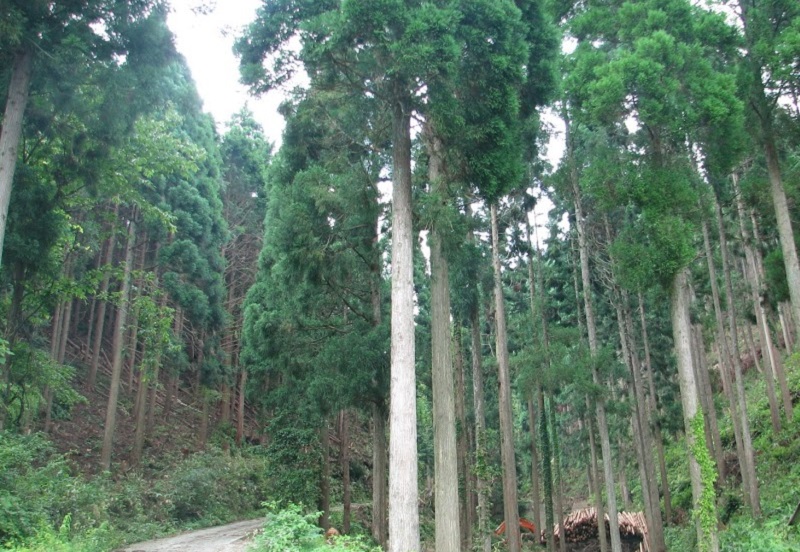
(234,537)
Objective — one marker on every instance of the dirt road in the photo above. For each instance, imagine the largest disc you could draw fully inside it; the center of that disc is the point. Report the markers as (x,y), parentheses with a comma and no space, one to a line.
(227,538)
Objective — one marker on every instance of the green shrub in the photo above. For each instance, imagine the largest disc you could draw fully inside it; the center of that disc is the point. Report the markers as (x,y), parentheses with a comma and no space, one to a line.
(289,529)
(213,486)
(745,535)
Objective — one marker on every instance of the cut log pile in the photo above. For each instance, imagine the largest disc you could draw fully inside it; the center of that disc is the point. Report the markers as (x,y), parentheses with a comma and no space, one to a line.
(581,526)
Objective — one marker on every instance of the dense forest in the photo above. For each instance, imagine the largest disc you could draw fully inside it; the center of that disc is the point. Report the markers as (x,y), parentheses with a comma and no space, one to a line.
(417,320)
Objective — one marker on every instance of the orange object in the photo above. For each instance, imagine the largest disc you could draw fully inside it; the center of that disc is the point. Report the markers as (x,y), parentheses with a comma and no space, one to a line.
(523,524)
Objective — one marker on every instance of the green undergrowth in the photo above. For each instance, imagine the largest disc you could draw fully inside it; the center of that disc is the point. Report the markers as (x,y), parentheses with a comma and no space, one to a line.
(47,505)
(778,467)
(290,529)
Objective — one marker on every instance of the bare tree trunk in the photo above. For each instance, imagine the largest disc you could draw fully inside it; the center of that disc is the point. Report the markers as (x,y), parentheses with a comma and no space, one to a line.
(141,419)
(559,494)
(547,472)
(379,494)
(344,457)
(653,415)
(240,408)
(641,428)
(403,491)
(775,358)
(119,330)
(785,330)
(100,317)
(598,494)
(482,486)
(602,424)
(11,129)
(510,506)
(445,459)
(681,329)
(536,493)
(465,512)
(751,345)
(325,477)
(748,461)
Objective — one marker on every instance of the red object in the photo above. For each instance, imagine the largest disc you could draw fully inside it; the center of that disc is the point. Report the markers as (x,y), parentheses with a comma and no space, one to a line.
(523,524)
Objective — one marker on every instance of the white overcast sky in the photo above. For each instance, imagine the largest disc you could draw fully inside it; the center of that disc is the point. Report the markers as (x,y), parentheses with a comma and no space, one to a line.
(205,38)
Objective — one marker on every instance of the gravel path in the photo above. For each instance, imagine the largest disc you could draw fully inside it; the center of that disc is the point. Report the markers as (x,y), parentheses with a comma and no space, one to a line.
(234,537)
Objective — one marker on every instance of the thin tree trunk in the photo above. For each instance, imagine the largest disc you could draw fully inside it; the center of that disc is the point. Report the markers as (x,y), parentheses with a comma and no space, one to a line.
(325,477)
(344,456)
(602,424)
(445,459)
(624,488)
(598,494)
(462,445)
(116,365)
(547,473)
(559,495)
(536,494)
(641,428)
(681,329)
(481,454)
(775,358)
(379,494)
(653,415)
(510,507)
(748,462)
(11,129)
(240,407)
(751,345)
(141,419)
(100,318)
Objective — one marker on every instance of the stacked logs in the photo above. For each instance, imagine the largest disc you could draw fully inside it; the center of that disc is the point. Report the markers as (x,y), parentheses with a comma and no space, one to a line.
(581,526)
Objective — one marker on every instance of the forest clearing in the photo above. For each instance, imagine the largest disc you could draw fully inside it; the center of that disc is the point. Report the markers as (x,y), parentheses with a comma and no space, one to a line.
(518,275)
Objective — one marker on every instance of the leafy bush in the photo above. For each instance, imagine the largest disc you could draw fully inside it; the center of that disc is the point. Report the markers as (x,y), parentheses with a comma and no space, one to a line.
(215,487)
(747,536)
(33,482)
(289,529)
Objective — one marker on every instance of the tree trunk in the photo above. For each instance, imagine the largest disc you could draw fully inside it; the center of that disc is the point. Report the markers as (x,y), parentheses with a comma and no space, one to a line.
(681,329)
(783,217)
(602,424)
(462,445)
(547,473)
(598,494)
(100,318)
(116,365)
(707,401)
(141,420)
(403,491)
(445,460)
(641,428)
(11,129)
(559,494)
(481,484)
(536,494)
(775,358)
(325,477)
(510,506)
(344,456)
(748,462)
(653,415)
(379,494)
(240,407)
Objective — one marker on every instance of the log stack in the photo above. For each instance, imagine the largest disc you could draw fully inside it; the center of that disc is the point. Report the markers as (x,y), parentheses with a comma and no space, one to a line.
(581,530)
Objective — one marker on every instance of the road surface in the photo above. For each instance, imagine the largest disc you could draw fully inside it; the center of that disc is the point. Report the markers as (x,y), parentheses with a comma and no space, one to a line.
(234,537)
